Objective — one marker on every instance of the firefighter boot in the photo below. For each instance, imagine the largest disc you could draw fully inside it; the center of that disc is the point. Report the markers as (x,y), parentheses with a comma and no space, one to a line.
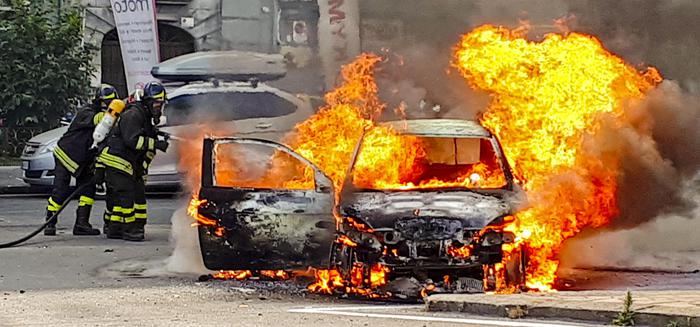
(106,222)
(134,231)
(82,222)
(115,230)
(50,229)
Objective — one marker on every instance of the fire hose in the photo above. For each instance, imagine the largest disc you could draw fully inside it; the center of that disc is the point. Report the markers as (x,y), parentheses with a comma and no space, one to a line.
(54,217)
(102,131)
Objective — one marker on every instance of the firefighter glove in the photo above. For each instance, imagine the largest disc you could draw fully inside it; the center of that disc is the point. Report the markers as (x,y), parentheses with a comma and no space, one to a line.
(162,145)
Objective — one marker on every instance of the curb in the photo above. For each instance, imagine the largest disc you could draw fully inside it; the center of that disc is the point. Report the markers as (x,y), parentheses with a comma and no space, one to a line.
(23,190)
(436,303)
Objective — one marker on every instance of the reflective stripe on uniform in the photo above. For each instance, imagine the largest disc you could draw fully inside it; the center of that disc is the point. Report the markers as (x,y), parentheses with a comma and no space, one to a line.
(150,155)
(116,218)
(53,206)
(121,214)
(140,210)
(139,143)
(151,144)
(115,162)
(86,201)
(98,117)
(65,159)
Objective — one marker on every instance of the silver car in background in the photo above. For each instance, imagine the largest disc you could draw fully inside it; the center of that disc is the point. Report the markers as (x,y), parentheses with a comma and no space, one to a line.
(240,101)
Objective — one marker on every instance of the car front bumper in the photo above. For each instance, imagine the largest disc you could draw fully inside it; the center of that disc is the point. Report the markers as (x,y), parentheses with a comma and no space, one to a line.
(37,170)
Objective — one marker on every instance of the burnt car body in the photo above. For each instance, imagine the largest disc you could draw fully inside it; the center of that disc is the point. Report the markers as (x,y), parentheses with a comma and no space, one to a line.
(416,233)
(264,228)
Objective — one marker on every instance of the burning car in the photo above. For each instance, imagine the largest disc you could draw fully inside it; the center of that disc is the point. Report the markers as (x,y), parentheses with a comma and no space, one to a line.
(438,224)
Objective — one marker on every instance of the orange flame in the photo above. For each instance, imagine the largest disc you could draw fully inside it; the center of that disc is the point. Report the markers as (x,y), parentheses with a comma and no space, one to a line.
(343,239)
(275,274)
(464,251)
(328,281)
(193,211)
(547,99)
(233,274)
(328,138)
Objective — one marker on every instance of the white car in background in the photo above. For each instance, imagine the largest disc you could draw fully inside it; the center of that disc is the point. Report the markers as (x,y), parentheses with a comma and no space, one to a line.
(232,97)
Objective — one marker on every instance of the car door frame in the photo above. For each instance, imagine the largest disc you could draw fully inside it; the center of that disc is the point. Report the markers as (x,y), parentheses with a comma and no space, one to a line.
(293,237)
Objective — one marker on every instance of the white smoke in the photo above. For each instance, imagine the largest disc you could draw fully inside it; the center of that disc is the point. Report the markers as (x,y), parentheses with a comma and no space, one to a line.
(186,257)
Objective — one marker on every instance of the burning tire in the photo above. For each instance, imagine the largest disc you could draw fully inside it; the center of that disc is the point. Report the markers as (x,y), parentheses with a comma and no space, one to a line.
(507,276)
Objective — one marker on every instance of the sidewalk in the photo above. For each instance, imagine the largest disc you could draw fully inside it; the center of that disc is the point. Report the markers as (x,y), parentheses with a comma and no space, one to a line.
(653,308)
(11,182)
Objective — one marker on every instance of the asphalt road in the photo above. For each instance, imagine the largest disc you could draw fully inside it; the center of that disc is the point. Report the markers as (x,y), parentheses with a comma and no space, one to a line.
(90,280)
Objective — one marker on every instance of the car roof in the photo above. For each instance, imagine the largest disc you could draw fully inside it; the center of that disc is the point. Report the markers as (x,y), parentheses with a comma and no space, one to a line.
(439,127)
(209,87)
(232,87)
(229,65)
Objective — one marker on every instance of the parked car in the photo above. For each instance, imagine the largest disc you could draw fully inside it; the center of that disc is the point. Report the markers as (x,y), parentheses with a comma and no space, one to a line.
(242,104)
(416,232)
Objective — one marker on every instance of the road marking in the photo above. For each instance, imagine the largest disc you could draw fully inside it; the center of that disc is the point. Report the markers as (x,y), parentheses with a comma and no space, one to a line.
(349,311)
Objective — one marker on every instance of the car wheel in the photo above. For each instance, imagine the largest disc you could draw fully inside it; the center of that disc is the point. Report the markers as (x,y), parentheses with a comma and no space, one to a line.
(342,259)
(508,276)
(514,273)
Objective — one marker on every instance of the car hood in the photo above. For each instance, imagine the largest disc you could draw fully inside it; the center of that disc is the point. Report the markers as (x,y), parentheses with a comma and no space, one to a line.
(384,209)
(49,136)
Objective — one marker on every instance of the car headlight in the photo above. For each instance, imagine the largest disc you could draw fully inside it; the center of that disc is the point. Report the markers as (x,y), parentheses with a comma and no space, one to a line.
(491,239)
(47,148)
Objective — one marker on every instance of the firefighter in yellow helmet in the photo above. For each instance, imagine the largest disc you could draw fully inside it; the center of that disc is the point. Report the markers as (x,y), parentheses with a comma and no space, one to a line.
(73,157)
(130,148)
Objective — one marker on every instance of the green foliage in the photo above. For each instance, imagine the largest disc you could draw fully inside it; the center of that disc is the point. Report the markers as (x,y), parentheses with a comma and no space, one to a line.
(626,316)
(44,65)
(678,323)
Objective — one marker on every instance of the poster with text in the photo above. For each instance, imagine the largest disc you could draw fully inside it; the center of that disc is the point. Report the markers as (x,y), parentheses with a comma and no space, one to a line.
(338,36)
(138,37)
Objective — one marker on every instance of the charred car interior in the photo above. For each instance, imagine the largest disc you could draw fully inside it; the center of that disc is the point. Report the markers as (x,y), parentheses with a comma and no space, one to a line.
(433,221)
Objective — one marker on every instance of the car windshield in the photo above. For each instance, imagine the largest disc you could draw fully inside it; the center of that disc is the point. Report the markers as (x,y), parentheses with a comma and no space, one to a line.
(225,106)
(420,162)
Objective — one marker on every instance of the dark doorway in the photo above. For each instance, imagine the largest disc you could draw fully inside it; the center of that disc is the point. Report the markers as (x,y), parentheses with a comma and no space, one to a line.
(174,41)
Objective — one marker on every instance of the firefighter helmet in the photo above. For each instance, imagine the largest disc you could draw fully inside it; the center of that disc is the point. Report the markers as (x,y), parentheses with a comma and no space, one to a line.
(153,91)
(106,93)
(154,98)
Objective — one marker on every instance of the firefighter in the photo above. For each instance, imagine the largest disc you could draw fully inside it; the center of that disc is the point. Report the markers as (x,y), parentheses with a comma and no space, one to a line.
(126,157)
(73,157)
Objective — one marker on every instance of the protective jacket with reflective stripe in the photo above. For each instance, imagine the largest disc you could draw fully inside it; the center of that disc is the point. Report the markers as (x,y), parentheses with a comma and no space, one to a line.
(73,149)
(133,136)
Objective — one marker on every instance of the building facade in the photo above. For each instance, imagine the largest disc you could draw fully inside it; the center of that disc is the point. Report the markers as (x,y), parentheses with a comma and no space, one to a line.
(184,26)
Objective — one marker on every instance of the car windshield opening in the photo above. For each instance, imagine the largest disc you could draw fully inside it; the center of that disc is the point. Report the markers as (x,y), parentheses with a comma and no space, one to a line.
(259,166)
(420,162)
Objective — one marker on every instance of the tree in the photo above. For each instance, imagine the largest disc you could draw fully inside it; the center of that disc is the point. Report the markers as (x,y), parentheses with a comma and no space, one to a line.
(44,65)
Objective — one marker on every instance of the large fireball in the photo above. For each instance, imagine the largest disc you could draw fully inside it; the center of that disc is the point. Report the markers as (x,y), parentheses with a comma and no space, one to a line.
(547,99)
